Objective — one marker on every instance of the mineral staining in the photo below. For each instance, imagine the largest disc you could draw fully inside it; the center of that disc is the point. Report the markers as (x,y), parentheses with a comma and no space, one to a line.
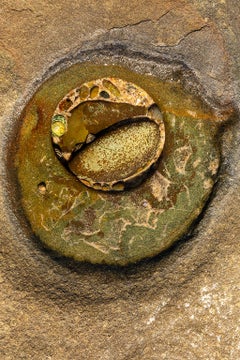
(125,226)
(130,148)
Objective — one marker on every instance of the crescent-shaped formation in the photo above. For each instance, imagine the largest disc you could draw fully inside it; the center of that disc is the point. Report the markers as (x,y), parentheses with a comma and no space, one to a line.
(109,133)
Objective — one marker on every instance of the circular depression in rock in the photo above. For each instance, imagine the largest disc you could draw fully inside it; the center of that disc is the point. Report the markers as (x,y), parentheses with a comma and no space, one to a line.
(85,130)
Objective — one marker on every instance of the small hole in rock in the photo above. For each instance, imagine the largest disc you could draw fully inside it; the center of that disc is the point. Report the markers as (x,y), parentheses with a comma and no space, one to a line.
(104,94)
(42,187)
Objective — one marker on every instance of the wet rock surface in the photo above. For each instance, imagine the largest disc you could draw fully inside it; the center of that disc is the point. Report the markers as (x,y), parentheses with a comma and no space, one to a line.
(183,304)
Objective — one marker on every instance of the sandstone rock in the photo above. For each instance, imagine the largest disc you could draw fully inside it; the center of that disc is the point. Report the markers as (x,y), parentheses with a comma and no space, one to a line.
(183,304)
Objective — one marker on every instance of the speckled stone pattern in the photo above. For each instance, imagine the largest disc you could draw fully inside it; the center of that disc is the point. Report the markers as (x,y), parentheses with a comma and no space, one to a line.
(183,304)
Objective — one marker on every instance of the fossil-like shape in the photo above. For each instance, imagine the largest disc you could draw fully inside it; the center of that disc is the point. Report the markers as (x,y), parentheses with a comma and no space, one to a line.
(108,152)
(87,127)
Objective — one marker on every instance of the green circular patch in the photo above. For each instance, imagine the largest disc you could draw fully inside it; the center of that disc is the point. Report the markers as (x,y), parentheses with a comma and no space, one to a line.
(115,227)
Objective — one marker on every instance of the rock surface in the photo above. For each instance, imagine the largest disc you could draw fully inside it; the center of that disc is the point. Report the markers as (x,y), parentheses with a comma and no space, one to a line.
(181,305)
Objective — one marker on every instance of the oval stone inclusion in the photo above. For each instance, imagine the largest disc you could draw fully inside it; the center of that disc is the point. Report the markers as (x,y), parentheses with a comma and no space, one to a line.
(125,153)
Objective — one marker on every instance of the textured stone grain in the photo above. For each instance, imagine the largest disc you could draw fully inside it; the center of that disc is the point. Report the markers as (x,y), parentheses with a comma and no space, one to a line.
(181,305)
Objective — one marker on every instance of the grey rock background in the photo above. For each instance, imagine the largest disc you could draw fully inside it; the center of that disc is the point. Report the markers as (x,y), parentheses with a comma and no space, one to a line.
(183,304)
